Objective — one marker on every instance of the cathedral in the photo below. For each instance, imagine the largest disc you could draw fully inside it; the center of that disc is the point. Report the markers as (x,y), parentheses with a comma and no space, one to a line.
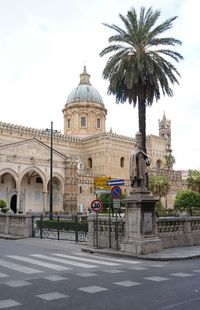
(84,152)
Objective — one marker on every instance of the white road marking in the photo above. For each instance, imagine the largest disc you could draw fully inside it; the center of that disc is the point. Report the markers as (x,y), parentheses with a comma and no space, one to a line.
(157,279)
(64,261)
(127,283)
(52,296)
(8,303)
(37,262)
(93,289)
(87,260)
(17,267)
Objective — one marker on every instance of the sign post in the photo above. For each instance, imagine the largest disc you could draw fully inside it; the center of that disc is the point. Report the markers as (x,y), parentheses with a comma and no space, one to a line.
(97,206)
(116,194)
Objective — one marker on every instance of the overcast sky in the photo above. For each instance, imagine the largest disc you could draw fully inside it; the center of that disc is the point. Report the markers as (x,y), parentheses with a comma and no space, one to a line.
(44,45)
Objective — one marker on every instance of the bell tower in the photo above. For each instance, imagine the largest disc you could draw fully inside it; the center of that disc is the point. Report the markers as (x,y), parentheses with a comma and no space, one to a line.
(165,132)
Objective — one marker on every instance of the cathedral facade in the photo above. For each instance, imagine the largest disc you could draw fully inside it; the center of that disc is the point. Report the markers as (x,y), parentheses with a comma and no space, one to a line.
(84,151)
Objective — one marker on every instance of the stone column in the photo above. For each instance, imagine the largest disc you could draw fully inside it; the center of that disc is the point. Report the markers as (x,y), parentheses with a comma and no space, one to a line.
(44,201)
(18,206)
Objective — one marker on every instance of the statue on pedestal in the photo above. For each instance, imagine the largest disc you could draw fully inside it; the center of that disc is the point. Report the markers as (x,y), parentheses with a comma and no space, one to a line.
(138,164)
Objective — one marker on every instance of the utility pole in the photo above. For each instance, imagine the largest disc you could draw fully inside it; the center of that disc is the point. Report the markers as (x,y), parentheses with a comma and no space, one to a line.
(51,176)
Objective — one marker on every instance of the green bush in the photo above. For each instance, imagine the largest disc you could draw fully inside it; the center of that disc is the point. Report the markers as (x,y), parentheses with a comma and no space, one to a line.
(63,224)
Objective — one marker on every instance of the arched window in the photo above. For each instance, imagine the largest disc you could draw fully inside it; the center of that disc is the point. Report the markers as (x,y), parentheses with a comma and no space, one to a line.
(158,164)
(89,162)
(122,162)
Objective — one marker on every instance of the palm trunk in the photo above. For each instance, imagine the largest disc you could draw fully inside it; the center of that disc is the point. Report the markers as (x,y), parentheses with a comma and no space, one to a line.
(142,123)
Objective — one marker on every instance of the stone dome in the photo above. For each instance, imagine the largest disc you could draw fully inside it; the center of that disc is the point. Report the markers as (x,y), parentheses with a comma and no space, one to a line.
(84,92)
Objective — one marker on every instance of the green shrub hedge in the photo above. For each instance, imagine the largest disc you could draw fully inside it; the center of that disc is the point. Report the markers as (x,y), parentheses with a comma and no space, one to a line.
(63,225)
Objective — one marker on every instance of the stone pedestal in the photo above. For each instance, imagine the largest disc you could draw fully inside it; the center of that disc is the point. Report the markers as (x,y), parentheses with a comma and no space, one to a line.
(141,230)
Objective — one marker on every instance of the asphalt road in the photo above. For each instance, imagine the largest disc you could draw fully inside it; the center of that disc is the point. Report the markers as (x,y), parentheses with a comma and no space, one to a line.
(44,274)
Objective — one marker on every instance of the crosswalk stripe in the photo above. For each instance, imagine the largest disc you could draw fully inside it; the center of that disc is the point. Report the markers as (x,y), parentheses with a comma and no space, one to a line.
(18,267)
(37,262)
(119,260)
(87,260)
(64,261)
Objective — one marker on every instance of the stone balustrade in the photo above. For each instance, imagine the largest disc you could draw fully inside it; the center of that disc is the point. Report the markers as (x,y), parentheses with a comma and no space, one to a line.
(16,224)
(178,231)
(172,231)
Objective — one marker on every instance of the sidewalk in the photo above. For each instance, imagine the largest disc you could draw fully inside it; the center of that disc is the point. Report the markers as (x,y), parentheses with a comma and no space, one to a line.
(164,255)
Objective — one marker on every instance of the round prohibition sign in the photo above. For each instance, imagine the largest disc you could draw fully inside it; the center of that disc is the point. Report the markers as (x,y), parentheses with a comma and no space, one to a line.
(116,192)
(97,205)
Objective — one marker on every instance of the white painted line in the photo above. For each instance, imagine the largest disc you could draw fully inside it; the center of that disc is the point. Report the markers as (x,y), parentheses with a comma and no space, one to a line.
(52,296)
(156,279)
(8,303)
(137,268)
(17,267)
(93,289)
(55,278)
(3,275)
(86,274)
(64,261)
(127,283)
(39,263)
(17,283)
(87,260)
(181,274)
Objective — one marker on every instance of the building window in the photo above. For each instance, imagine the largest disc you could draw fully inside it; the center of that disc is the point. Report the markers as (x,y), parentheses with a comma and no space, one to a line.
(122,162)
(68,123)
(81,190)
(98,123)
(90,190)
(83,121)
(90,162)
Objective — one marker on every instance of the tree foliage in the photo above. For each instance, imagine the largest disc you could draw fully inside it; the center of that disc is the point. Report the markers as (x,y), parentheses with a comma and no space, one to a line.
(170,160)
(107,200)
(193,180)
(159,185)
(187,200)
(2,204)
(138,69)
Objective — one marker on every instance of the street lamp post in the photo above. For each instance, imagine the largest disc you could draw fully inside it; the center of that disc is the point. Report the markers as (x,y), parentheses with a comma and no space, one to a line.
(51,176)
(51,171)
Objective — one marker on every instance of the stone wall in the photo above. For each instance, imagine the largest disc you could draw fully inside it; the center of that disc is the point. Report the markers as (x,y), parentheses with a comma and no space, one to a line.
(17,225)
(172,231)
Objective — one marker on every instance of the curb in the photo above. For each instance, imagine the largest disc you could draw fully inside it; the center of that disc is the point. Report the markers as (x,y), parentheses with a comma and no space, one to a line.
(141,257)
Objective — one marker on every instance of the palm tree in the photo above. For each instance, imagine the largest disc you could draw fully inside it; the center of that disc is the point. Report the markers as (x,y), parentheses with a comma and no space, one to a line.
(138,69)
(193,180)
(159,186)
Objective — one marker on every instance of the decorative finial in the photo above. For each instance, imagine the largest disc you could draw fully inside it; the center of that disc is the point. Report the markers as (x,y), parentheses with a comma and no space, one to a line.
(84,77)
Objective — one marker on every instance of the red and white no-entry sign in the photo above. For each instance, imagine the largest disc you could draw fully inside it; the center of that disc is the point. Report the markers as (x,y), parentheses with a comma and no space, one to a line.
(97,205)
